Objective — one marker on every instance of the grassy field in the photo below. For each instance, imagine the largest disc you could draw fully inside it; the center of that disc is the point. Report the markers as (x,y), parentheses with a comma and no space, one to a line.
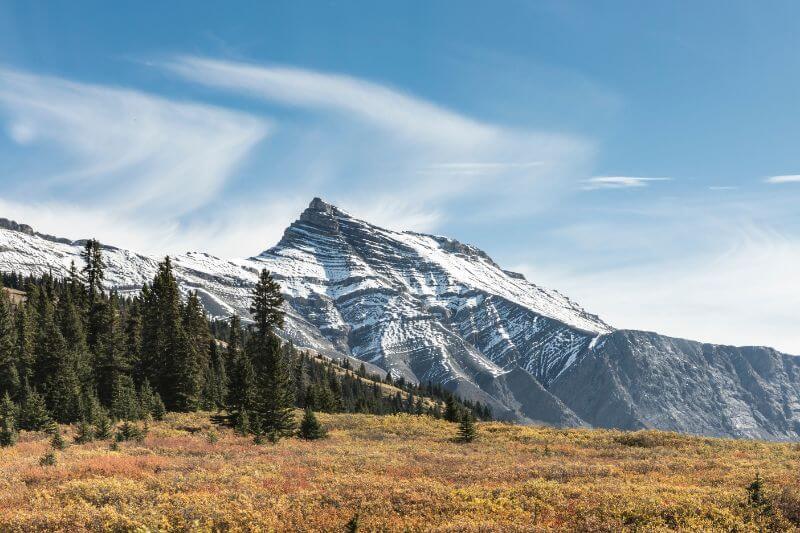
(399,473)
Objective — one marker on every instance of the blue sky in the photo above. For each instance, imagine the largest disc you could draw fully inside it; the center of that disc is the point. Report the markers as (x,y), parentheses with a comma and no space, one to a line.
(640,157)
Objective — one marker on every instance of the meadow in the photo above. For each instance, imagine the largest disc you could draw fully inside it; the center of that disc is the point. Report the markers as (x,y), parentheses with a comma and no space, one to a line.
(399,473)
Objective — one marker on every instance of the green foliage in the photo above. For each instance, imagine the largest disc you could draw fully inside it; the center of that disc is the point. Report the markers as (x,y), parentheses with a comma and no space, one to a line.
(756,497)
(275,391)
(8,422)
(48,459)
(451,411)
(103,427)
(57,441)
(466,428)
(84,433)
(128,431)
(310,428)
(33,413)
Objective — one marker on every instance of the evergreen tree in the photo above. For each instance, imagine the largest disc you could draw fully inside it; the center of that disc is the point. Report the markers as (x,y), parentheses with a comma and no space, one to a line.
(34,415)
(310,428)
(466,428)
(451,411)
(25,326)
(8,421)
(163,337)
(93,269)
(57,442)
(124,400)
(274,383)
(84,433)
(103,426)
(215,380)
(9,371)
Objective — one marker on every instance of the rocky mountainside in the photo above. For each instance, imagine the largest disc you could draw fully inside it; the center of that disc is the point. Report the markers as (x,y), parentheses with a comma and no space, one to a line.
(431,308)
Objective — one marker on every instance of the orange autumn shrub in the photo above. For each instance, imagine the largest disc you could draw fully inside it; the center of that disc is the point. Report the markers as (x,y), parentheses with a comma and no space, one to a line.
(399,473)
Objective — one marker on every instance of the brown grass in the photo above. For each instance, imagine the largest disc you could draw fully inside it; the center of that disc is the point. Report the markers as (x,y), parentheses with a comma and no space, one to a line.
(399,473)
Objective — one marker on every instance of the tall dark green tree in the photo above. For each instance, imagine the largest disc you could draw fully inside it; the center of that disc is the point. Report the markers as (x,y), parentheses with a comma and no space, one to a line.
(9,371)
(466,428)
(275,400)
(162,335)
(241,393)
(93,269)
(191,352)
(8,421)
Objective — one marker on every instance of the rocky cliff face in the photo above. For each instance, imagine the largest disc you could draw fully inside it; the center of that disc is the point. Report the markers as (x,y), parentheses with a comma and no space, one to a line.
(430,308)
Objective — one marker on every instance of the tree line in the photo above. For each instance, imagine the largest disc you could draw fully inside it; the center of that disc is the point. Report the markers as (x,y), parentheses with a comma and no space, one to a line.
(76,353)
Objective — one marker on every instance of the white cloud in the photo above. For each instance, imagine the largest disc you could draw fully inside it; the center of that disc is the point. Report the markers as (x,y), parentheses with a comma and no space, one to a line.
(140,152)
(791,178)
(398,113)
(376,141)
(722,272)
(618,182)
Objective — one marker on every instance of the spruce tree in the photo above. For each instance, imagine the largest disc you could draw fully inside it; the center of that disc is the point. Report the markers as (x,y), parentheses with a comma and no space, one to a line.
(9,371)
(192,355)
(451,411)
(124,400)
(103,427)
(34,415)
(166,351)
(93,269)
(8,421)
(466,428)
(84,432)
(310,428)
(274,383)
(25,326)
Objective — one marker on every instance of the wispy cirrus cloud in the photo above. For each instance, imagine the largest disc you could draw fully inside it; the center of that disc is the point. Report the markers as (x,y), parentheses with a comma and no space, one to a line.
(119,164)
(790,178)
(392,144)
(145,152)
(618,182)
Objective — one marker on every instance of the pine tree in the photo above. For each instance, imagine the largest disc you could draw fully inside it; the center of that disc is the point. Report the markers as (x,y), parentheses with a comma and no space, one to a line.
(25,327)
(163,337)
(93,269)
(124,400)
(192,355)
(8,421)
(9,371)
(466,428)
(84,433)
(57,442)
(310,428)
(274,382)
(103,425)
(451,411)
(34,415)
(214,380)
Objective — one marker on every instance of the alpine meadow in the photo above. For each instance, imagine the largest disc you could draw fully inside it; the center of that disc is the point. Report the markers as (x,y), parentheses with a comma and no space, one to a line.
(399,266)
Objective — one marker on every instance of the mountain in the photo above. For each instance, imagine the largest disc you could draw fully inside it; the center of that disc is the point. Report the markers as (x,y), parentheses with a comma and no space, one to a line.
(429,308)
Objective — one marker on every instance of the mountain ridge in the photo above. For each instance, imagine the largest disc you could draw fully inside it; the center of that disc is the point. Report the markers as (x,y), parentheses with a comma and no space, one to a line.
(430,308)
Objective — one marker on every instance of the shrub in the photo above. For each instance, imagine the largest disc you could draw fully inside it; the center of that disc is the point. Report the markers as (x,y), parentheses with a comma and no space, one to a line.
(103,431)
(128,431)
(48,459)
(85,433)
(58,442)
(310,428)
